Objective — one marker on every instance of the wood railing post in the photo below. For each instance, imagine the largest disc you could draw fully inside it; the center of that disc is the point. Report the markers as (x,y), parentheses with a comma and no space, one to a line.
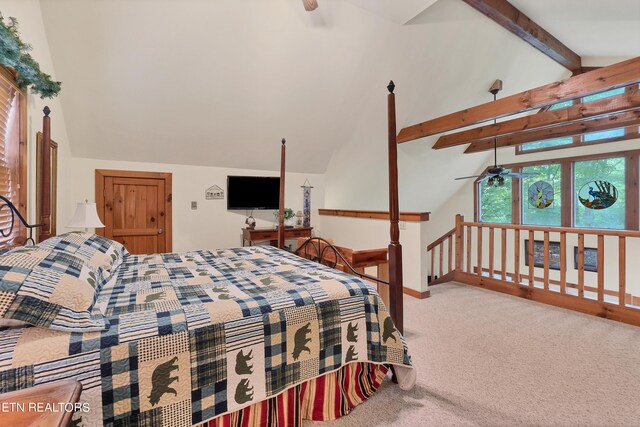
(622,271)
(459,241)
(395,248)
(45,167)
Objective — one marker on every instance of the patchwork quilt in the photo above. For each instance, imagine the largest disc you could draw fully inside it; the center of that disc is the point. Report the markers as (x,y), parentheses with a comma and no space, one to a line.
(196,335)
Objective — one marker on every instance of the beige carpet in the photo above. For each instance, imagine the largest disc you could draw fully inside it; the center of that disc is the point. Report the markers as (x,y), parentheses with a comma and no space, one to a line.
(486,358)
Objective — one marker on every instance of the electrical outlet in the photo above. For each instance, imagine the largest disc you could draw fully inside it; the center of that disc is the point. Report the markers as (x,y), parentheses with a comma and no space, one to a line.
(402,225)
(194,206)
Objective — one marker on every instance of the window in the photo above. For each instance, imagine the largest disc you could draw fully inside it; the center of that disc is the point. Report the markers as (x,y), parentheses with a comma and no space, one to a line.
(601,136)
(547,143)
(605,134)
(583,192)
(542,195)
(495,202)
(598,182)
(12,155)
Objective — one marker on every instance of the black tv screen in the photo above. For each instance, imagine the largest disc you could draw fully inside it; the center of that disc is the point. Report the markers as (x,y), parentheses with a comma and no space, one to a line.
(253,192)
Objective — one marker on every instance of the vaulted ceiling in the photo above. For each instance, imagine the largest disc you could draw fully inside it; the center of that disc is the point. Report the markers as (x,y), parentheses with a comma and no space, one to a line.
(219,83)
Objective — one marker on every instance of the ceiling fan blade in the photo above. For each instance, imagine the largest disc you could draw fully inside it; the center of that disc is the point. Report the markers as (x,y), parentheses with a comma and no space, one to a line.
(469,177)
(518,175)
(310,5)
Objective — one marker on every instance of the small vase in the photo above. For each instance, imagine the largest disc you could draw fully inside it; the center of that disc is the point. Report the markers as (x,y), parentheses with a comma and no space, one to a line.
(290,222)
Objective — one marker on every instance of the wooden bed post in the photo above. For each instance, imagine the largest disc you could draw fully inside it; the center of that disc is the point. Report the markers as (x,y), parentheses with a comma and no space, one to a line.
(281,211)
(395,249)
(45,167)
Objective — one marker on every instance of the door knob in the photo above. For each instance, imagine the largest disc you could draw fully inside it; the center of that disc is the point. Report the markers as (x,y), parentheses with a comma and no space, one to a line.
(159,230)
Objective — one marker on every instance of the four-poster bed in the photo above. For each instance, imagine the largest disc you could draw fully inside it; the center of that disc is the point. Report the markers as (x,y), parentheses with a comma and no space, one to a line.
(212,337)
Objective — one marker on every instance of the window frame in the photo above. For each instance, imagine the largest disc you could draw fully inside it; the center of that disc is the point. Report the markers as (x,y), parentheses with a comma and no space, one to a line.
(632,190)
(578,140)
(10,76)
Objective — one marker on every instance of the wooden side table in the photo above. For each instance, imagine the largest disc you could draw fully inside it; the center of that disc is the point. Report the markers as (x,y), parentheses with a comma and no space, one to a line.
(271,234)
(25,408)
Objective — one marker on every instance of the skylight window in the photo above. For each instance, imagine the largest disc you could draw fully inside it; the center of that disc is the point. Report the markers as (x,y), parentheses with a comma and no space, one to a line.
(612,134)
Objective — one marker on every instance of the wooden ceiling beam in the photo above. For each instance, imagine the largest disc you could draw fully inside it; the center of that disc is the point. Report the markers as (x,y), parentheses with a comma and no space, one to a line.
(615,121)
(614,76)
(509,17)
(626,101)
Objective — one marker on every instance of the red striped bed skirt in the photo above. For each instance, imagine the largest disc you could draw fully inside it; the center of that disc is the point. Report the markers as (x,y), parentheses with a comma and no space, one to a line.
(324,398)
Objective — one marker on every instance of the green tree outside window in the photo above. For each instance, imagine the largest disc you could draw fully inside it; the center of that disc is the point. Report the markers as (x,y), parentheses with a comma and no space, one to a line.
(611,170)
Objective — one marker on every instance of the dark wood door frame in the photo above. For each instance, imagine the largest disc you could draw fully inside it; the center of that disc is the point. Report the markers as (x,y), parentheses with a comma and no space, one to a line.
(102,174)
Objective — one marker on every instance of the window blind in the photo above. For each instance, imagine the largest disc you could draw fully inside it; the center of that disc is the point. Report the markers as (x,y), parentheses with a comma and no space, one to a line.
(10,159)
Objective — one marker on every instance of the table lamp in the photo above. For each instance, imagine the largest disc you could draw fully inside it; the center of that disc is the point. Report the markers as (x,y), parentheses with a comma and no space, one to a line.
(86,217)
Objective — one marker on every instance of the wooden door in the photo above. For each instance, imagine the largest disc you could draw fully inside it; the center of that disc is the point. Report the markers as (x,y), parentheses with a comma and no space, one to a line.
(135,208)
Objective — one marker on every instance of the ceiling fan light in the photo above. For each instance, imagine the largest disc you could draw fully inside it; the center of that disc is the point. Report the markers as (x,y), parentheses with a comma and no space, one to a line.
(500,181)
(490,182)
(310,5)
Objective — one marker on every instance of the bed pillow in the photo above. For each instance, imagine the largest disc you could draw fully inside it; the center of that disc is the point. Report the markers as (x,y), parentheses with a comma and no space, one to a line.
(50,289)
(98,251)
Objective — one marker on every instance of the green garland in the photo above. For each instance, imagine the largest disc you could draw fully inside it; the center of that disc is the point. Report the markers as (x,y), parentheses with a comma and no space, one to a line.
(14,54)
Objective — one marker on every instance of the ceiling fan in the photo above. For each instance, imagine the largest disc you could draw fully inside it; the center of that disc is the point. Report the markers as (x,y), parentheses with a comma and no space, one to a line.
(310,5)
(496,174)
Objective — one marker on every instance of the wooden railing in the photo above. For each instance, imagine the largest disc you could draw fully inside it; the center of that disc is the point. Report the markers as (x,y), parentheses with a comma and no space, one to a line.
(438,273)
(491,256)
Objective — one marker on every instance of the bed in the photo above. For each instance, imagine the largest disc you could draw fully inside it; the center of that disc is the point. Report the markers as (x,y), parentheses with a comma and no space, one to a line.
(240,336)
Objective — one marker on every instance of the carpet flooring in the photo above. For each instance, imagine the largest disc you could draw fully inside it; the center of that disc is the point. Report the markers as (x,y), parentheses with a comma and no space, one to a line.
(486,358)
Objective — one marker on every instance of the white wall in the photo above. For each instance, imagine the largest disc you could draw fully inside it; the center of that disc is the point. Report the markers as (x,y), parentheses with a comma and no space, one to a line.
(445,60)
(211,225)
(32,31)
(363,233)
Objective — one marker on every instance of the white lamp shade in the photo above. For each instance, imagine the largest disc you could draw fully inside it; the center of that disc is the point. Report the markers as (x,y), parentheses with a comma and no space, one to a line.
(86,216)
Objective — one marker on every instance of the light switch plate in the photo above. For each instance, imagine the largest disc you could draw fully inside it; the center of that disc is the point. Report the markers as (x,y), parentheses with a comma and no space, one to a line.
(402,225)
(194,206)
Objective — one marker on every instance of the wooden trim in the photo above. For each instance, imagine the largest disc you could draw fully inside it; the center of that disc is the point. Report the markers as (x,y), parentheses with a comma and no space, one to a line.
(632,191)
(23,154)
(628,119)
(469,238)
(45,169)
(54,181)
(572,159)
(543,228)
(417,294)
(441,239)
(103,174)
(509,17)
(630,133)
(283,152)
(612,77)
(511,279)
(563,263)
(404,216)
(622,268)
(626,101)
(596,308)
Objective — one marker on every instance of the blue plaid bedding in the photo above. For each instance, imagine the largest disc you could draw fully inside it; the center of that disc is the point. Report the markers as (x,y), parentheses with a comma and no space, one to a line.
(196,335)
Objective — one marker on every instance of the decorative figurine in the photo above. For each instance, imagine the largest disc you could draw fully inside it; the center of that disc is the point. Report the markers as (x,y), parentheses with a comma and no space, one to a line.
(306,203)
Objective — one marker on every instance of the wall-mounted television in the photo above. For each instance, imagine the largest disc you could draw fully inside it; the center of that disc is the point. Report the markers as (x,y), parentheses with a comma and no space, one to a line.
(253,192)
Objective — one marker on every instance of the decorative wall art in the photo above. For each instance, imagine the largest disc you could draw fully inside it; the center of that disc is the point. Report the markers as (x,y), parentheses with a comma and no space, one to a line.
(598,195)
(540,194)
(538,254)
(590,259)
(306,203)
(214,193)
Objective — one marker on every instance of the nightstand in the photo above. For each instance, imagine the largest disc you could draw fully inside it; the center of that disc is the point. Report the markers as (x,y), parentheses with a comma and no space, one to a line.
(27,407)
